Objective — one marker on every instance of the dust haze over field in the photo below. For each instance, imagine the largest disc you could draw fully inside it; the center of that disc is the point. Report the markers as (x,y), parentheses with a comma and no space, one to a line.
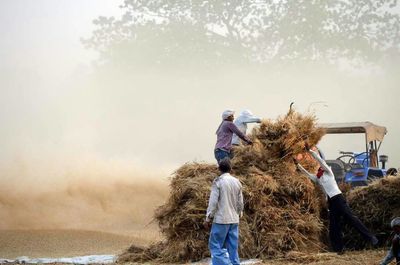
(98,195)
(90,146)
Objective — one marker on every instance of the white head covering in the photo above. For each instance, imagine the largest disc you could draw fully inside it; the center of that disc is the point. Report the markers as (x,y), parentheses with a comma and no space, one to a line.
(245,117)
(395,222)
(227,113)
(246,113)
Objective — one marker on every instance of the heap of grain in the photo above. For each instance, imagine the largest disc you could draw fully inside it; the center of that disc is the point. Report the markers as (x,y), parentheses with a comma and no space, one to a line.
(282,206)
(376,205)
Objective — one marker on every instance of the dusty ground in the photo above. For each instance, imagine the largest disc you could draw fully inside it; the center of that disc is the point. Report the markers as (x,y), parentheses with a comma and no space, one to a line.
(372,257)
(65,243)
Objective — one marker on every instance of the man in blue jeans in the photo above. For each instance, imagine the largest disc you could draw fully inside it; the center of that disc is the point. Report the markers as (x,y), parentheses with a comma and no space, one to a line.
(394,252)
(225,132)
(224,208)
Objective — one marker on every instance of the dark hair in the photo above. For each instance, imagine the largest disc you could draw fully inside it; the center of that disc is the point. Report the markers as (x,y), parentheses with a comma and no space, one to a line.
(224,165)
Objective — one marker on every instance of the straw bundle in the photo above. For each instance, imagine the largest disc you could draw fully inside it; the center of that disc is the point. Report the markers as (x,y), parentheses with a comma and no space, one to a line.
(376,205)
(282,207)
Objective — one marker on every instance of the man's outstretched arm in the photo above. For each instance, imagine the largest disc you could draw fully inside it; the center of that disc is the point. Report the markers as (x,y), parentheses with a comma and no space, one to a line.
(322,162)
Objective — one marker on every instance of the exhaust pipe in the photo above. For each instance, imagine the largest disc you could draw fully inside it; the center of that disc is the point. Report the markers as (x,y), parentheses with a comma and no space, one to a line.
(383,159)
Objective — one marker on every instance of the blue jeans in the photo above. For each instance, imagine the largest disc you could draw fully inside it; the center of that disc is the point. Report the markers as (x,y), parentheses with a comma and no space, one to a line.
(221,154)
(391,255)
(223,244)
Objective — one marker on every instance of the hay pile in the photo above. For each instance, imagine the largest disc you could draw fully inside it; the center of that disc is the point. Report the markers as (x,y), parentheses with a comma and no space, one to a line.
(376,205)
(282,207)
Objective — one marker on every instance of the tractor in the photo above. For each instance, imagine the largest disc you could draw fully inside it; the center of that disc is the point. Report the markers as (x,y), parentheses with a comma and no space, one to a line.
(359,168)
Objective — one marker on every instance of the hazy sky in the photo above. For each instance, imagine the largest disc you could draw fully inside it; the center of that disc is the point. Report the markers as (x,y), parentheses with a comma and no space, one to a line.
(50,111)
(41,35)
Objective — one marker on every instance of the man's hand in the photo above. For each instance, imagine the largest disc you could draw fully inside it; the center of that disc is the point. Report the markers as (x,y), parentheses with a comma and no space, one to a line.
(207,224)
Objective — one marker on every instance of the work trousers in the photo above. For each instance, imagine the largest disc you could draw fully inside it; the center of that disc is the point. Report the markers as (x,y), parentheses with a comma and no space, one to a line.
(393,253)
(221,154)
(338,209)
(396,249)
(223,244)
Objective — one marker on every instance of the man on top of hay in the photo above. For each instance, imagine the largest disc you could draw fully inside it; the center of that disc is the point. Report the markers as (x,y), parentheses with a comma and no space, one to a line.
(225,133)
(394,251)
(337,204)
(245,117)
(225,206)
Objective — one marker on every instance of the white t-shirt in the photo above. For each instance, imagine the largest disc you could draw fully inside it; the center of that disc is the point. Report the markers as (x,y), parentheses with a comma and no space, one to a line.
(327,180)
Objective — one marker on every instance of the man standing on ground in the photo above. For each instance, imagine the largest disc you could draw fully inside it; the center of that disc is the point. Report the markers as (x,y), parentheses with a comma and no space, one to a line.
(225,206)
(225,133)
(337,204)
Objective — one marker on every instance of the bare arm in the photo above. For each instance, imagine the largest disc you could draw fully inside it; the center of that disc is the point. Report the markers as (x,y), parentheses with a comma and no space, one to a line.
(213,201)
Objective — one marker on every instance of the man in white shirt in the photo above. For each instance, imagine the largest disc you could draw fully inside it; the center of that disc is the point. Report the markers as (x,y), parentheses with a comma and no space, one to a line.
(337,204)
(225,206)
(241,122)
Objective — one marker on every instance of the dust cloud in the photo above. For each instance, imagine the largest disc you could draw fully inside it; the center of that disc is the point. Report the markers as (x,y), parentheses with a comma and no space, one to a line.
(95,195)
(138,129)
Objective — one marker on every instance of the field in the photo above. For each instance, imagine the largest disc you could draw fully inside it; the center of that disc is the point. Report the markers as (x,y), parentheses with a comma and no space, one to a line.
(64,243)
(79,218)
(283,211)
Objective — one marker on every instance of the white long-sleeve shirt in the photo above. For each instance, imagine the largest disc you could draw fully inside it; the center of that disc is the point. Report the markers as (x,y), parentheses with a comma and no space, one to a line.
(226,200)
(327,180)
(241,122)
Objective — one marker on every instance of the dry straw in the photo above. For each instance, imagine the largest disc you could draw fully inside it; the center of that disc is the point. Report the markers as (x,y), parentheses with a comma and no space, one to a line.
(376,205)
(282,206)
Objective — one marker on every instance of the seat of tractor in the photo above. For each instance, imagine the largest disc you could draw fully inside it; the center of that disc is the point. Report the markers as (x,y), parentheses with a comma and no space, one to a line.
(337,168)
(356,166)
